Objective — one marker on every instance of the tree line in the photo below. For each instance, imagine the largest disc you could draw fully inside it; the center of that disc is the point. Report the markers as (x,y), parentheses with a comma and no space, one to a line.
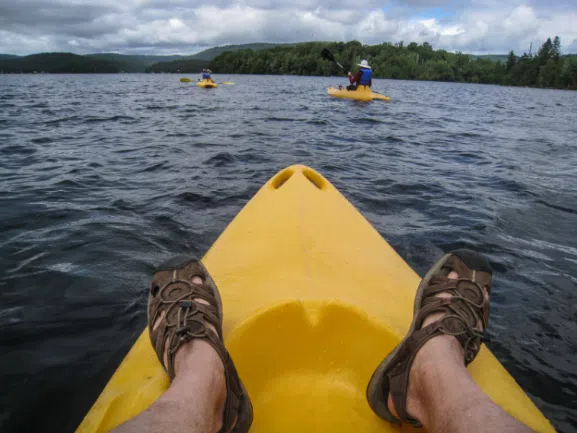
(100,63)
(57,63)
(546,68)
(188,66)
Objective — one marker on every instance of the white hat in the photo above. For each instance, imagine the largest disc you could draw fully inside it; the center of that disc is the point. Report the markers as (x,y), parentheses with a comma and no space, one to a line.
(364,64)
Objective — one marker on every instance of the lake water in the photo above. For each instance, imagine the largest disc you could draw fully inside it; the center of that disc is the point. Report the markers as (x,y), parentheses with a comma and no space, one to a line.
(102,177)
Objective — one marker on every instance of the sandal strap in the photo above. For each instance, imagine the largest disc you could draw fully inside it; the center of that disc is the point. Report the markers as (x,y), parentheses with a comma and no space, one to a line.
(465,308)
(454,325)
(191,322)
(176,317)
(184,319)
(467,300)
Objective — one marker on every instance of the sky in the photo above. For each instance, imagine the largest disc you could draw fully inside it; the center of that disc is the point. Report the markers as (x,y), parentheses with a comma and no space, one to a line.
(189,26)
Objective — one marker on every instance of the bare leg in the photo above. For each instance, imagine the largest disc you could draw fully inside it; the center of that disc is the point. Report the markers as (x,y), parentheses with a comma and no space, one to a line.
(194,403)
(443,396)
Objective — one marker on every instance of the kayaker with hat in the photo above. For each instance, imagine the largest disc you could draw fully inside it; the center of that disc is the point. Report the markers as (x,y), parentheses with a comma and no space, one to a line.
(206,75)
(362,78)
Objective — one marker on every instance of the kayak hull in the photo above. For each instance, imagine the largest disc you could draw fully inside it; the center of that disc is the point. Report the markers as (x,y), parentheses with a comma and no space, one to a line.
(363,93)
(206,84)
(314,298)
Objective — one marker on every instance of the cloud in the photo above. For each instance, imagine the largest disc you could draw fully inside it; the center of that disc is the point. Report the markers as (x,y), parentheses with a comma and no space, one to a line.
(184,26)
(19,14)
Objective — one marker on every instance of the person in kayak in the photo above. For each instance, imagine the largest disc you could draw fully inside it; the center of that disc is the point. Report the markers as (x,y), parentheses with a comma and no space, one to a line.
(423,382)
(206,75)
(362,78)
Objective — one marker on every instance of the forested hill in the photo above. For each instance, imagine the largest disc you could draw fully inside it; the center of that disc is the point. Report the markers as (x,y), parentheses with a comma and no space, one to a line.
(211,53)
(57,63)
(188,66)
(134,63)
(199,61)
(546,68)
(113,62)
(72,63)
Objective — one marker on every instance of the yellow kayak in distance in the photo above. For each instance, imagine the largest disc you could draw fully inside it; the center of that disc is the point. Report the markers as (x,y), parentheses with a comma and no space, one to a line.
(206,84)
(314,298)
(185,80)
(363,93)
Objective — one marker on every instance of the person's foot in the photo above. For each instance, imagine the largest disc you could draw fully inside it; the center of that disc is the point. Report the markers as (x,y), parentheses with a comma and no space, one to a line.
(194,348)
(451,314)
(185,324)
(437,347)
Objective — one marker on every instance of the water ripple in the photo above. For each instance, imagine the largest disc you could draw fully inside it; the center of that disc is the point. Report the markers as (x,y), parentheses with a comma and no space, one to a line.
(105,176)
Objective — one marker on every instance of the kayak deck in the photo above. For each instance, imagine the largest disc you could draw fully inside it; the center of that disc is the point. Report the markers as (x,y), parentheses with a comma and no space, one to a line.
(363,93)
(314,298)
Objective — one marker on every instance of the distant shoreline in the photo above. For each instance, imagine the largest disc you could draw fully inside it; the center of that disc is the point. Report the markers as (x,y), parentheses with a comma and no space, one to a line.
(288,75)
(547,68)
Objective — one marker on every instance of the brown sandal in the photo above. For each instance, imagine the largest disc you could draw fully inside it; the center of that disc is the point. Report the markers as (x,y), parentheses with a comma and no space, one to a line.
(465,309)
(173,294)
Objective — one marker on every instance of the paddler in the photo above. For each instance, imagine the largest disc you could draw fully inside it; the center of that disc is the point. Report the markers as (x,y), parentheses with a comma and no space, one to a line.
(206,75)
(362,78)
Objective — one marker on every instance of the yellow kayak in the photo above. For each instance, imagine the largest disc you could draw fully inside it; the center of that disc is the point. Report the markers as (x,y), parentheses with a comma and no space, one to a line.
(206,84)
(314,298)
(363,93)
(185,80)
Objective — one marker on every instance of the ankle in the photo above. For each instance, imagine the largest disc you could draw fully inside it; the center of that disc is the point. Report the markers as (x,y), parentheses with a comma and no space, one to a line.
(439,359)
(198,366)
(197,355)
(200,382)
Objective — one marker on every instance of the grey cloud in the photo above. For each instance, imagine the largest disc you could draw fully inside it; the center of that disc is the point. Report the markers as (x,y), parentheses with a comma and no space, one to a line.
(56,20)
(183,26)
(39,12)
(301,5)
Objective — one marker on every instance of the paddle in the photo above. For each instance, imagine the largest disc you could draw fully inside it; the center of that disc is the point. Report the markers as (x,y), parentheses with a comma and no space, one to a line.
(222,82)
(327,55)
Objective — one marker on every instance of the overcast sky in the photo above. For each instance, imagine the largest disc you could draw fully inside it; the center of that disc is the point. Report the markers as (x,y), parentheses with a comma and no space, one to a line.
(188,26)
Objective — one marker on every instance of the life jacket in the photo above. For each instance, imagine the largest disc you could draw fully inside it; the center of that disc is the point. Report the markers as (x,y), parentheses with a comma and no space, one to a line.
(366,77)
(205,76)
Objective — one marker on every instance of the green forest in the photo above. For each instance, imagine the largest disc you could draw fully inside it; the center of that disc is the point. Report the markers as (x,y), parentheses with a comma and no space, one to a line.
(68,63)
(545,68)
(101,63)
(188,66)
(211,53)
(56,63)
